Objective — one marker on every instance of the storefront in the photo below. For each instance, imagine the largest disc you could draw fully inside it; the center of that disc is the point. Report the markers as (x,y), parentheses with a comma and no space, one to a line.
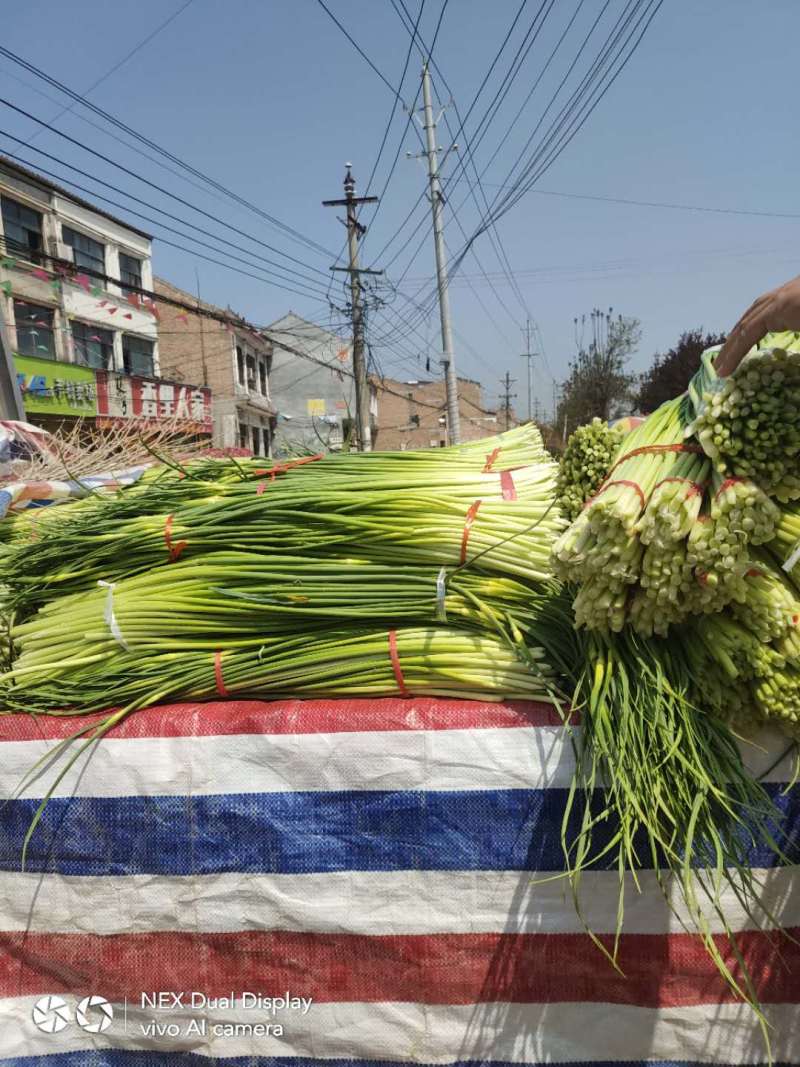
(55,393)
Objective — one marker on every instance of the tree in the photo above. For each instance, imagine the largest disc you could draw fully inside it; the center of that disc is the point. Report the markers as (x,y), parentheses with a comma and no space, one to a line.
(671,372)
(598,384)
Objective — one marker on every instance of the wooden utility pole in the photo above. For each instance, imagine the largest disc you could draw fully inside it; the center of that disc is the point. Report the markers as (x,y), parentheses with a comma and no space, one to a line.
(355,231)
(508,396)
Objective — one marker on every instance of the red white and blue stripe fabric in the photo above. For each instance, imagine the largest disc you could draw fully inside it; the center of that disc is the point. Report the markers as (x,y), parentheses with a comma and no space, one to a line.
(390,861)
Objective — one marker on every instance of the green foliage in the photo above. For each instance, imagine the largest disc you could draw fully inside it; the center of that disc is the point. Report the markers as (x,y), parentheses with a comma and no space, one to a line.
(598,385)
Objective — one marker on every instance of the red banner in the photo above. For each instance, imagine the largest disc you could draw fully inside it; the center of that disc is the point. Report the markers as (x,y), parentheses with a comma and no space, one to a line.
(124,396)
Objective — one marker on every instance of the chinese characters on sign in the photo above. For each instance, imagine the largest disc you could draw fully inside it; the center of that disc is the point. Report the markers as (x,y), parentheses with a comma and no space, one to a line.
(122,396)
(50,388)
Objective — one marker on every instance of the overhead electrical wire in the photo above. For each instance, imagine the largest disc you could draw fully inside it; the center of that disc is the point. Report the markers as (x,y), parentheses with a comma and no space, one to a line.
(158,188)
(469,112)
(581,114)
(453,179)
(105,115)
(580,105)
(402,12)
(120,63)
(395,101)
(185,222)
(31,87)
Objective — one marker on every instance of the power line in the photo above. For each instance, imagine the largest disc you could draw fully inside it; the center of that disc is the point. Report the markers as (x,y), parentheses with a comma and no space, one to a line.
(158,188)
(120,63)
(581,105)
(385,138)
(359,49)
(415,36)
(185,222)
(461,126)
(78,98)
(661,204)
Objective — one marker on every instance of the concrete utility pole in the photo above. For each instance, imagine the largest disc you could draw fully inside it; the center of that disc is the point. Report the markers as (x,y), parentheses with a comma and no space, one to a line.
(527,354)
(437,203)
(508,396)
(355,231)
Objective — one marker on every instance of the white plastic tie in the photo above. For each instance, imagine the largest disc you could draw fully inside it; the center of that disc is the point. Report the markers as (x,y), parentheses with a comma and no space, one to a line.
(110,617)
(793,558)
(441,592)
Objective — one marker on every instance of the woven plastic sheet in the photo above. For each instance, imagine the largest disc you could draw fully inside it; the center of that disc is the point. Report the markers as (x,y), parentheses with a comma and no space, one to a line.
(303,882)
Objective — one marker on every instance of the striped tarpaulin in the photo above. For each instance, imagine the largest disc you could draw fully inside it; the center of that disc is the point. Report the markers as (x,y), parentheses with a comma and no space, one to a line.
(286,884)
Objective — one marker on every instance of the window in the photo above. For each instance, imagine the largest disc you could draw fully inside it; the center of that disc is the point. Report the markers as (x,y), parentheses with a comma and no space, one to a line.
(262,377)
(86,252)
(130,273)
(34,330)
(242,435)
(240,366)
(137,356)
(251,372)
(257,440)
(93,347)
(23,230)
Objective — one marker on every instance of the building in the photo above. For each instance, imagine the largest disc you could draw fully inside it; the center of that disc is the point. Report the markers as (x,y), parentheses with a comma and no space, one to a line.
(413,414)
(313,386)
(215,346)
(75,296)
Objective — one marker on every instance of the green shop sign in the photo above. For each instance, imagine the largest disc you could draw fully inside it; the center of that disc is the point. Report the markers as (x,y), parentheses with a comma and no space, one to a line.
(50,388)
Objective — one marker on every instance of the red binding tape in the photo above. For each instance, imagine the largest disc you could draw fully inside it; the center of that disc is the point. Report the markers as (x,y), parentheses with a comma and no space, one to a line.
(727,483)
(175,548)
(393,656)
(223,692)
(619,481)
(282,468)
(491,457)
(696,487)
(507,487)
(468,521)
(260,488)
(645,450)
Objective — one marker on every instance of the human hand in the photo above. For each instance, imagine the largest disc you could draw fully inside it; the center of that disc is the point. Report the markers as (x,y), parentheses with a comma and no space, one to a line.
(773,312)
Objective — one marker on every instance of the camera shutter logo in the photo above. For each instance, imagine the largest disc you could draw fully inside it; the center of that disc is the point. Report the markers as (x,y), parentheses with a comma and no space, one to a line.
(94,1014)
(50,1014)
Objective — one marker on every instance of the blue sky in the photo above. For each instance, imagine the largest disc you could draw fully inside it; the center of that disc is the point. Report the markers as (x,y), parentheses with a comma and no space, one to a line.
(270,99)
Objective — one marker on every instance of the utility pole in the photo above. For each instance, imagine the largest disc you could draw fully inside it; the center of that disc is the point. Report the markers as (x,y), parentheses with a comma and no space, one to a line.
(508,396)
(527,354)
(437,204)
(355,231)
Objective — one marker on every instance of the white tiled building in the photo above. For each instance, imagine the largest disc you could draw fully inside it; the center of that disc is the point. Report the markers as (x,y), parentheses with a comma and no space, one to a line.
(96,318)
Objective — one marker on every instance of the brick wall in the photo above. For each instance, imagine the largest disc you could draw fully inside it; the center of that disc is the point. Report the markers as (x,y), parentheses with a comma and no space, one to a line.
(180,348)
(200,350)
(425,401)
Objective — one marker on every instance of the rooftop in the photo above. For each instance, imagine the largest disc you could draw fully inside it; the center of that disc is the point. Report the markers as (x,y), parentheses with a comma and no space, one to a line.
(28,175)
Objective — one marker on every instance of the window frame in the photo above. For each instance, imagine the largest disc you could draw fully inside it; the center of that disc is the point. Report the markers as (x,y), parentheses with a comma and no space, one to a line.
(250,363)
(12,247)
(39,309)
(125,285)
(95,258)
(127,363)
(109,344)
